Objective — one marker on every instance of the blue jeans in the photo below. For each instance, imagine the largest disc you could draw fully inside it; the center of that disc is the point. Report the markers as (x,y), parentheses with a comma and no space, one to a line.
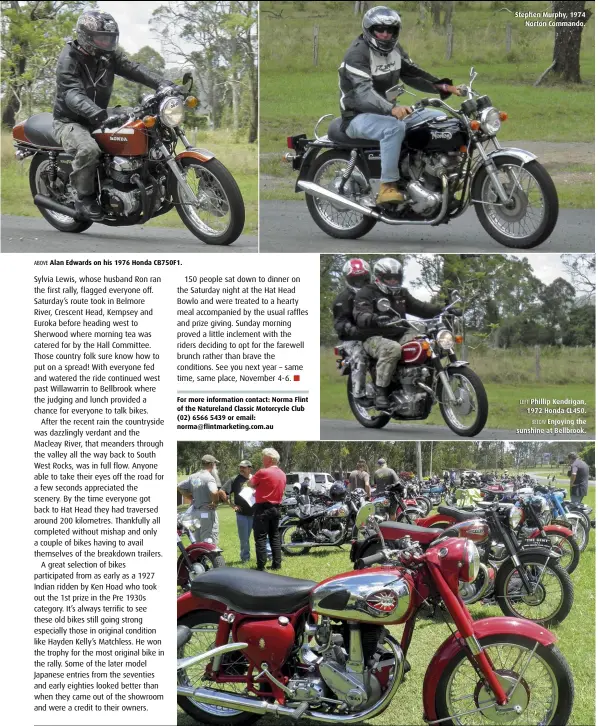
(390,132)
(245,528)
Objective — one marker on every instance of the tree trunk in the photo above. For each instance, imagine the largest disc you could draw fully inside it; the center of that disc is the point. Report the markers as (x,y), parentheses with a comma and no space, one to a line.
(567,40)
(448,13)
(436,8)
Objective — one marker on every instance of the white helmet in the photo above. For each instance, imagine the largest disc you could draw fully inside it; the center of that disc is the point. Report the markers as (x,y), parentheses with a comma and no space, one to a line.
(388,275)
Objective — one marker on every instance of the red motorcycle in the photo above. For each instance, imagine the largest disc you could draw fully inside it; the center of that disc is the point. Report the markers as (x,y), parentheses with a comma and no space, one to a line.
(197,557)
(141,175)
(254,643)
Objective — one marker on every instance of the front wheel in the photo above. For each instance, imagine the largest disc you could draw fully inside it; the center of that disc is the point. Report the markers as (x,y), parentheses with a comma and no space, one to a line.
(580,530)
(467,416)
(424,504)
(551,598)
(538,676)
(218,217)
(533,208)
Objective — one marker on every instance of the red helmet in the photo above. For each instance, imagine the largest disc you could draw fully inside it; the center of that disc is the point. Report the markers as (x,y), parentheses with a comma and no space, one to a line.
(356,273)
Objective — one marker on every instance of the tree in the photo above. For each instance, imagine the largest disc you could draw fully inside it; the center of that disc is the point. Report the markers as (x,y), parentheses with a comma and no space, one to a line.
(128,93)
(582,272)
(567,41)
(557,300)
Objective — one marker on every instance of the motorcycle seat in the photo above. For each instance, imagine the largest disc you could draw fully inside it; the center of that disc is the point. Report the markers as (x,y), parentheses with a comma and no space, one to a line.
(248,591)
(340,137)
(457,514)
(397,530)
(38,129)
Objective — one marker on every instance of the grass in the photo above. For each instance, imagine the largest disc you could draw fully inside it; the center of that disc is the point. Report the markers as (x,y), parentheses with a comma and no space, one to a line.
(505,409)
(240,159)
(576,635)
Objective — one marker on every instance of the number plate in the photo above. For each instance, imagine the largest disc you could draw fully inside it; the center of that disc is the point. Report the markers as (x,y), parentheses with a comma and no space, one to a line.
(538,542)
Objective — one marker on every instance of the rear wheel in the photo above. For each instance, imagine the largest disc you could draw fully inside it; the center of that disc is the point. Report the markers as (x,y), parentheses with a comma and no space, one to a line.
(289,534)
(363,411)
(332,218)
(568,548)
(39,183)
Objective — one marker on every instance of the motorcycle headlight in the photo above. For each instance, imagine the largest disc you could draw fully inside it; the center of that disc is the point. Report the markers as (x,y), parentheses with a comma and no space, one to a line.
(171,111)
(471,562)
(515,517)
(490,121)
(445,339)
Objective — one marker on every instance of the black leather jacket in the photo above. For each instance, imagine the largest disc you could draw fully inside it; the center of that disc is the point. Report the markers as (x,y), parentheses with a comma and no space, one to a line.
(84,83)
(344,322)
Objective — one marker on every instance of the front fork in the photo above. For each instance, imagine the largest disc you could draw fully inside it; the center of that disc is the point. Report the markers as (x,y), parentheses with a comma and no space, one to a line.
(443,375)
(492,172)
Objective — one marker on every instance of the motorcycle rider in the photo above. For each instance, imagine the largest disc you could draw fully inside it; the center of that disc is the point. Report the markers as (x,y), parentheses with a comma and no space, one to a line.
(84,79)
(372,65)
(356,274)
(385,346)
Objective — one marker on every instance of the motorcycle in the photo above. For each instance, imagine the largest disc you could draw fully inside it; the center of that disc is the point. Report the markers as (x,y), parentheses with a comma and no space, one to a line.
(446,164)
(141,175)
(252,644)
(526,577)
(197,557)
(577,520)
(427,373)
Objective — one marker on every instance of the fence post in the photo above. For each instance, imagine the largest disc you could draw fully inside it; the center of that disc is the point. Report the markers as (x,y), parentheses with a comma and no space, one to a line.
(537,349)
(509,30)
(449,42)
(316,37)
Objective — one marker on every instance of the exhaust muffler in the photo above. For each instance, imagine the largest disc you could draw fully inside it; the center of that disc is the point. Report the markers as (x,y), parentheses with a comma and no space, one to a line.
(46,203)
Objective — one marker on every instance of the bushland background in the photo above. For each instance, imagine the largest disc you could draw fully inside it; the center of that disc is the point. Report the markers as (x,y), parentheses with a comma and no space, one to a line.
(216,41)
(299,81)
(525,339)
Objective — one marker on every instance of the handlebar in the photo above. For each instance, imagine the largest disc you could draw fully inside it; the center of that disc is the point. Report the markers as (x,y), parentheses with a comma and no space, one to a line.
(364,562)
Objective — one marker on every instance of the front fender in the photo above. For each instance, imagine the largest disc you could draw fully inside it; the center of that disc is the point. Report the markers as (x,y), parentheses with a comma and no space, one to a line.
(204,547)
(193,153)
(482,629)
(188,603)
(458,364)
(521,154)
(552,529)
(435,519)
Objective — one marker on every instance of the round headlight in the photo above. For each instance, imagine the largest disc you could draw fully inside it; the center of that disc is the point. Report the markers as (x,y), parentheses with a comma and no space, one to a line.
(515,517)
(490,121)
(471,562)
(171,111)
(445,339)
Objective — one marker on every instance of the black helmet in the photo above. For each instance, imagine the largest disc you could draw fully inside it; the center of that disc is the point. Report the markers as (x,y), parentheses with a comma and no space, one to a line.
(337,492)
(97,33)
(380,19)
(388,275)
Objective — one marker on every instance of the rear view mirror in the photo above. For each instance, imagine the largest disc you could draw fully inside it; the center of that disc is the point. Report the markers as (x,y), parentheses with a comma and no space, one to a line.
(383,305)
(393,93)
(188,78)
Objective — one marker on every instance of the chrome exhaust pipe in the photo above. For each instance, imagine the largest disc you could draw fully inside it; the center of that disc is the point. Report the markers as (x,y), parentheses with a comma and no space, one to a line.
(297,545)
(46,203)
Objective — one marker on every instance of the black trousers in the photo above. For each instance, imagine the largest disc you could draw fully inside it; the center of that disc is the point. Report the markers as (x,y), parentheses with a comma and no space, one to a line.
(266,519)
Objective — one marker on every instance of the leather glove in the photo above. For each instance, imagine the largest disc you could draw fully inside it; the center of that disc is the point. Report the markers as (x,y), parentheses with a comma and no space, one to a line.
(381,320)
(98,120)
(115,121)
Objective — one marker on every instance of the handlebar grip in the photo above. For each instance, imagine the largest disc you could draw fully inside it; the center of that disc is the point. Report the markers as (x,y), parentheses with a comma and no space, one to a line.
(364,562)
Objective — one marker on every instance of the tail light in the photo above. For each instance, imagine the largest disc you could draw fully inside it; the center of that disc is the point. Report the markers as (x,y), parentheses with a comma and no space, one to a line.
(337,351)
(290,142)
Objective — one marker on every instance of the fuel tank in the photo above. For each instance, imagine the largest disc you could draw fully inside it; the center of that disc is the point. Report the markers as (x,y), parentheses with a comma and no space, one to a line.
(414,353)
(130,140)
(437,135)
(474,529)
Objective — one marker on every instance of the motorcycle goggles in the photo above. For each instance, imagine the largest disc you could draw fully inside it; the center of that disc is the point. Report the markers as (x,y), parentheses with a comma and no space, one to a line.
(391,280)
(106,41)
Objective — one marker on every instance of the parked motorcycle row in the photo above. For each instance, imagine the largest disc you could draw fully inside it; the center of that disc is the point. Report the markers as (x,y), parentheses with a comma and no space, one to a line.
(256,643)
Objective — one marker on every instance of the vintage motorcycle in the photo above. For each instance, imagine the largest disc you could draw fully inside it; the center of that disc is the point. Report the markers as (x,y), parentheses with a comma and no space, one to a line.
(253,643)
(427,373)
(197,557)
(573,516)
(140,175)
(446,164)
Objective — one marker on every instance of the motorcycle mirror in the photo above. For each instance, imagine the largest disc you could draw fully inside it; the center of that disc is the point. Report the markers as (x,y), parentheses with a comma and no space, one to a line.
(186,78)
(365,512)
(383,305)
(455,296)
(472,75)
(394,92)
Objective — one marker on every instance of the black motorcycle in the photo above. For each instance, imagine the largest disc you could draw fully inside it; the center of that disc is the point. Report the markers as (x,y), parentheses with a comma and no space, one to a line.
(446,164)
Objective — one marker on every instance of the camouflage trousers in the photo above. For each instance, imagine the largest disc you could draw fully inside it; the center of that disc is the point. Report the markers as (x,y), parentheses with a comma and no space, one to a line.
(77,139)
(387,354)
(209,529)
(359,364)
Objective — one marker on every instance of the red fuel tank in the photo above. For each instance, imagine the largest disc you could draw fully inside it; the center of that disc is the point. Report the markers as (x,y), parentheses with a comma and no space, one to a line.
(414,353)
(130,140)
(268,641)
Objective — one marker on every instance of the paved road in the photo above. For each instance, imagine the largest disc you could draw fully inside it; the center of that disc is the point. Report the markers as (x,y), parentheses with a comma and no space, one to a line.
(341,430)
(288,227)
(34,234)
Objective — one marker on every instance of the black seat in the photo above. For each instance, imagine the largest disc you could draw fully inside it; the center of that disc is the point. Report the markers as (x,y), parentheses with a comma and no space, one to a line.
(249,591)
(340,137)
(38,130)
(457,514)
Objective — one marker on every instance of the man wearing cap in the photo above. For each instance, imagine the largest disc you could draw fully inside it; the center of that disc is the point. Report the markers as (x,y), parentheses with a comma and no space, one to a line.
(242,507)
(579,478)
(269,484)
(384,477)
(202,489)
(359,478)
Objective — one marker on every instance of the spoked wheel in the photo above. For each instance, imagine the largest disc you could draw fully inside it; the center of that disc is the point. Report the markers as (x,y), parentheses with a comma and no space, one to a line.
(204,625)
(538,678)
(581,533)
(468,415)
(363,408)
(551,598)
(332,218)
(218,217)
(531,214)
(39,184)
(289,534)
(568,548)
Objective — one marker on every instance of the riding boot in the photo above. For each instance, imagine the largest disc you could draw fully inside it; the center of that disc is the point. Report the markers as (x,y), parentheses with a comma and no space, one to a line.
(89,207)
(389,194)
(381,401)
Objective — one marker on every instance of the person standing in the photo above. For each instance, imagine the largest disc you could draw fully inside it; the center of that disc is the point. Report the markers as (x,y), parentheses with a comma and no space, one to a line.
(580,473)
(384,477)
(269,484)
(202,490)
(242,507)
(359,478)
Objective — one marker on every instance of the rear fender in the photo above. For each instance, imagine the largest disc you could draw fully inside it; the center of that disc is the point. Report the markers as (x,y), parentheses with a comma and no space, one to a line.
(307,160)
(193,153)
(188,603)
(482,629)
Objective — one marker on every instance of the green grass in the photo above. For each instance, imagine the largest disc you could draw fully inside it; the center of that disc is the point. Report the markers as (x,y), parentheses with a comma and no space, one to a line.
(240,159)
(503,398)
(576,635)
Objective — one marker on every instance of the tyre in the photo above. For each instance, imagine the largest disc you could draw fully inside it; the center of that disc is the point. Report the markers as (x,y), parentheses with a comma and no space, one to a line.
(468,417)
(219,217)
(535,204)
(207,561)
(424,504)
(291,533)
(38,184)
(362,414)
(581,532)
(338,222)
(545,690)
(568,549)
(552,599)
(204,623)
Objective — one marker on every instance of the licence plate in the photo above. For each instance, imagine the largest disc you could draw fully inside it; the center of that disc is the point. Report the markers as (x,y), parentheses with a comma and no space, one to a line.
(538,542)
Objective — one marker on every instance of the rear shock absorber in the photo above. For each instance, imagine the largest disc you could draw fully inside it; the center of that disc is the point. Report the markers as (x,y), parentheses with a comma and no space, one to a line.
(348,171)
(52,169)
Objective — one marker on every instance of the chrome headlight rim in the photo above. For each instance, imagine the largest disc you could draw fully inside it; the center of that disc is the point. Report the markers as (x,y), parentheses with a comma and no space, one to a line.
(515,516)
(445,339)
(171,111)
(471,561)
(490,122)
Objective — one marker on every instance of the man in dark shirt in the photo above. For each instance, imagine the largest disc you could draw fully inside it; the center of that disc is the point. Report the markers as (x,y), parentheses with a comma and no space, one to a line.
(242,507)
(579,478)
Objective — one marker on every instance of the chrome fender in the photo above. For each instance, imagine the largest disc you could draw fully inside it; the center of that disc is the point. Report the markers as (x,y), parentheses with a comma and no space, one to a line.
(521,154)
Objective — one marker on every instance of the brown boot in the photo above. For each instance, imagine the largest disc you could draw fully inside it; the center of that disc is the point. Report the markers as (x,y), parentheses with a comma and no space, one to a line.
(389,194)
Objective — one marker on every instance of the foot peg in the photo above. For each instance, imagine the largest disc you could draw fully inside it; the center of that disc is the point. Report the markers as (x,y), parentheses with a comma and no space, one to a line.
(299,711)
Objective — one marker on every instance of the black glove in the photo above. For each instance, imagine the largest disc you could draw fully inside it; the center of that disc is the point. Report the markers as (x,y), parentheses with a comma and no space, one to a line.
(98,120)
(381,320)
(115,121)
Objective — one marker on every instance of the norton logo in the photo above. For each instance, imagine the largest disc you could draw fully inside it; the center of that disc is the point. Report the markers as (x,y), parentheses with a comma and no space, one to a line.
(441,134)
(262,644)
(118,138)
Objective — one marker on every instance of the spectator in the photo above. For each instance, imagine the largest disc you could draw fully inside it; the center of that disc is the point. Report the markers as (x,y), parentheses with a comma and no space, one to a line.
(579,478)
(359,478)
(384,477)
(269,484)
(242,507)
(201,489)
